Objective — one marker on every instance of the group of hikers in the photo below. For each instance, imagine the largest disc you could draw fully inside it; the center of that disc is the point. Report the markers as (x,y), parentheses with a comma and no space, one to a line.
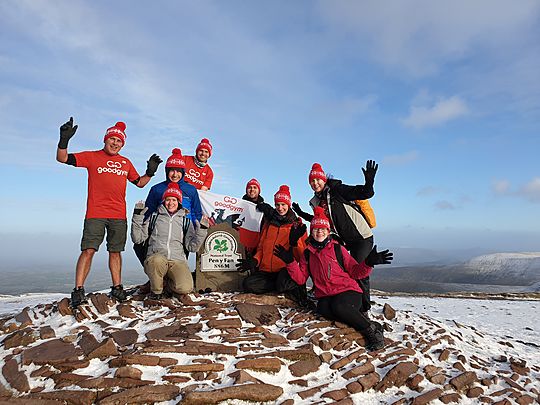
(338,254)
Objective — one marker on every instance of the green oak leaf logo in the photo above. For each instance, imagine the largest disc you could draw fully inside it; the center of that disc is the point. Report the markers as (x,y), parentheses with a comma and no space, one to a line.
(221,245)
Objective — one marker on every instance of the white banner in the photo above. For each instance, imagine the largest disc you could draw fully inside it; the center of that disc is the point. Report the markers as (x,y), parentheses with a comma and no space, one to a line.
(236,212)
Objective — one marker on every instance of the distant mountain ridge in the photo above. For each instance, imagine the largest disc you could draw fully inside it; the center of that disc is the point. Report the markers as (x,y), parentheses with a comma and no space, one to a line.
(495,272)
(524,265)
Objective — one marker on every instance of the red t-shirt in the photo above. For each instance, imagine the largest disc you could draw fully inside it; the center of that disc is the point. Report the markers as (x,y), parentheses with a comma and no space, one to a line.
(107,179)
(198,176)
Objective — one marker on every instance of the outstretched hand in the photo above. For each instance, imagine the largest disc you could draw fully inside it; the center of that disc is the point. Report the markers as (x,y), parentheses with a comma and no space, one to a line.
(140,208)
(296,232)
(265,208)
(284,254)
(302,214)
(296,208)
(152,165)
(67,131)
(247,264)
(383,257)
(370,171)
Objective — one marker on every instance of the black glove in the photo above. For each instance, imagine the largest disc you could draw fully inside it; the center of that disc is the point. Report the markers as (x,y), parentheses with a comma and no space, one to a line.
(370,171)
(66,132)
(374,257)
(284,254)
(297,231)
(265,208)
(247,264)
(152,165)
(302,214)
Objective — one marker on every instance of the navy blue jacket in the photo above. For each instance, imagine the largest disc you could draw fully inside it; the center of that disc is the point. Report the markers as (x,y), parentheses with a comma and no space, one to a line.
(190,199)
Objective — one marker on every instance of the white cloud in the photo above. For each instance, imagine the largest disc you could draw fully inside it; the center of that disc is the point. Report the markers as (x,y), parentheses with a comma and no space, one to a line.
(402,159)
(419,36)
(529,191)
(445,205)
(501,187)
(428,191)
(442,111)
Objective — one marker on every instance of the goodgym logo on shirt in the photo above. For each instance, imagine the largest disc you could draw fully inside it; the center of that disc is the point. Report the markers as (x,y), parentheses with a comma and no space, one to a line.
(114,168)
(194,175)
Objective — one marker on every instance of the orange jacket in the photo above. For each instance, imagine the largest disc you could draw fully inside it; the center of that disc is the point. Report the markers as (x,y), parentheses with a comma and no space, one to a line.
(273,235)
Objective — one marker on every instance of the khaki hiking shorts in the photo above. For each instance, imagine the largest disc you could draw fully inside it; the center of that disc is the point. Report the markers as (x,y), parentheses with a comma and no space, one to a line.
(94,232)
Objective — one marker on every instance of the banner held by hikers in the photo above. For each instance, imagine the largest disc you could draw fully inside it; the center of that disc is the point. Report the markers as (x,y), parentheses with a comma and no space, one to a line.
(237,213)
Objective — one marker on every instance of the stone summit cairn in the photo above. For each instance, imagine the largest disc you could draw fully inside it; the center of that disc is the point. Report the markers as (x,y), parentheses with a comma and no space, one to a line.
(205,349)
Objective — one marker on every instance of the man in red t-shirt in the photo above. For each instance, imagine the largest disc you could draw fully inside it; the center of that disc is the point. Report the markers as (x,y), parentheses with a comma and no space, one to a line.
(108,173)
(198,171)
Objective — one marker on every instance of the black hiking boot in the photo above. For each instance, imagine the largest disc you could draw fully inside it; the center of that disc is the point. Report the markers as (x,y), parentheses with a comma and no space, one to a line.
(300,296)
(78,297)
(374,337)
(118,293)
(156,297)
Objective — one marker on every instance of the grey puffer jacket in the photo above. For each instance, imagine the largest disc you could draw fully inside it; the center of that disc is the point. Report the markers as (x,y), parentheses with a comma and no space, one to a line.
(167,238)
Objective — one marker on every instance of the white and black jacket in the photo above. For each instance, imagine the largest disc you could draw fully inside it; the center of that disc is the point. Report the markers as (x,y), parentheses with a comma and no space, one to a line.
(347,220)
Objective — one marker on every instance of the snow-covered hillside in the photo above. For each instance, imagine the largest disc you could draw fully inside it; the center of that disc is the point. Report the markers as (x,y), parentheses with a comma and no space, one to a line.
(523,266)
(205,349)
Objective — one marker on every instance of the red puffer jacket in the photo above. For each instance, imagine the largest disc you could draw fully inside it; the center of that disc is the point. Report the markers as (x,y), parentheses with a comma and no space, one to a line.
(328,276)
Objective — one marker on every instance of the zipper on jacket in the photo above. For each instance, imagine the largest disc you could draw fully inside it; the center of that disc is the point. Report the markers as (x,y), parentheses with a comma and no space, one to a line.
(171,218)
(273,246)
(329,270)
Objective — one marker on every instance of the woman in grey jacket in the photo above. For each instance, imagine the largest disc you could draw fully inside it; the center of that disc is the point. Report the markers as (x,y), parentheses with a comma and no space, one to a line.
(166,257)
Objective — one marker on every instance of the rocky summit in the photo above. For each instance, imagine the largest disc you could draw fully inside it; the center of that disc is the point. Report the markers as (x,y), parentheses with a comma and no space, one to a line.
(228,348)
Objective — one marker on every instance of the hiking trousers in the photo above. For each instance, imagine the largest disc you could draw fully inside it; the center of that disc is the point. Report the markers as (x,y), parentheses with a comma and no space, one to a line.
(345,307)
(157,267)
(262,282)
(359,251)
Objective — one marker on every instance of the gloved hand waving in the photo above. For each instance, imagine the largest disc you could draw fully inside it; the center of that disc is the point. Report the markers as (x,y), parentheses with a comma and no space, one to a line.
(302,214)
(247,264)
(374,257)
(297,231)
(152,165)
(67,130)
(140,208)
(284,254)
(370,171)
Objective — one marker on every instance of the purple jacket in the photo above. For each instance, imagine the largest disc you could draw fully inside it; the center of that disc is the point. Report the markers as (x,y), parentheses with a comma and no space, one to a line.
(328,276)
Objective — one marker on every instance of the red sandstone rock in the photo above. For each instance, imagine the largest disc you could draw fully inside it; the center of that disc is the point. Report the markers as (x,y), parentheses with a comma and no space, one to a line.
(16,378)
(258,314)
(126,337)
(246,392)
(51,352)
(389,312)
(463,380)
(427,397)
(143,395)
(303,367)
(266,364)
(397,376)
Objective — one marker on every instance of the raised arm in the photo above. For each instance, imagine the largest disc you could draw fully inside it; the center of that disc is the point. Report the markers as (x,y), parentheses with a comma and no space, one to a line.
(67,130)
(151,167)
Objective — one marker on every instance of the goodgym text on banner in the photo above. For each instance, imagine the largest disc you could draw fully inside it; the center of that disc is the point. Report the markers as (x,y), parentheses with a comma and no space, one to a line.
(239,214)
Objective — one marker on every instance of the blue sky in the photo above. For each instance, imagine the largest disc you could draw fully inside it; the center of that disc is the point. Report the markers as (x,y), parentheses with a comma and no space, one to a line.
(445,96)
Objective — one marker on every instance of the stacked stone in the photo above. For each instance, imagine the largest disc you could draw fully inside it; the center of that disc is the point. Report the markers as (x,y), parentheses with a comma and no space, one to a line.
(217,347)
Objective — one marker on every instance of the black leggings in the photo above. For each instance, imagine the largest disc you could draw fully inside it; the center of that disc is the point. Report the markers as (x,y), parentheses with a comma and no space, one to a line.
(345,307)
(359,250)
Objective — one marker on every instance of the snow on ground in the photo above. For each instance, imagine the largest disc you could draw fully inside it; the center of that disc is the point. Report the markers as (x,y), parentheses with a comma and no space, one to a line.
(496,320)
(12,304)
(513,318)
(518,319)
